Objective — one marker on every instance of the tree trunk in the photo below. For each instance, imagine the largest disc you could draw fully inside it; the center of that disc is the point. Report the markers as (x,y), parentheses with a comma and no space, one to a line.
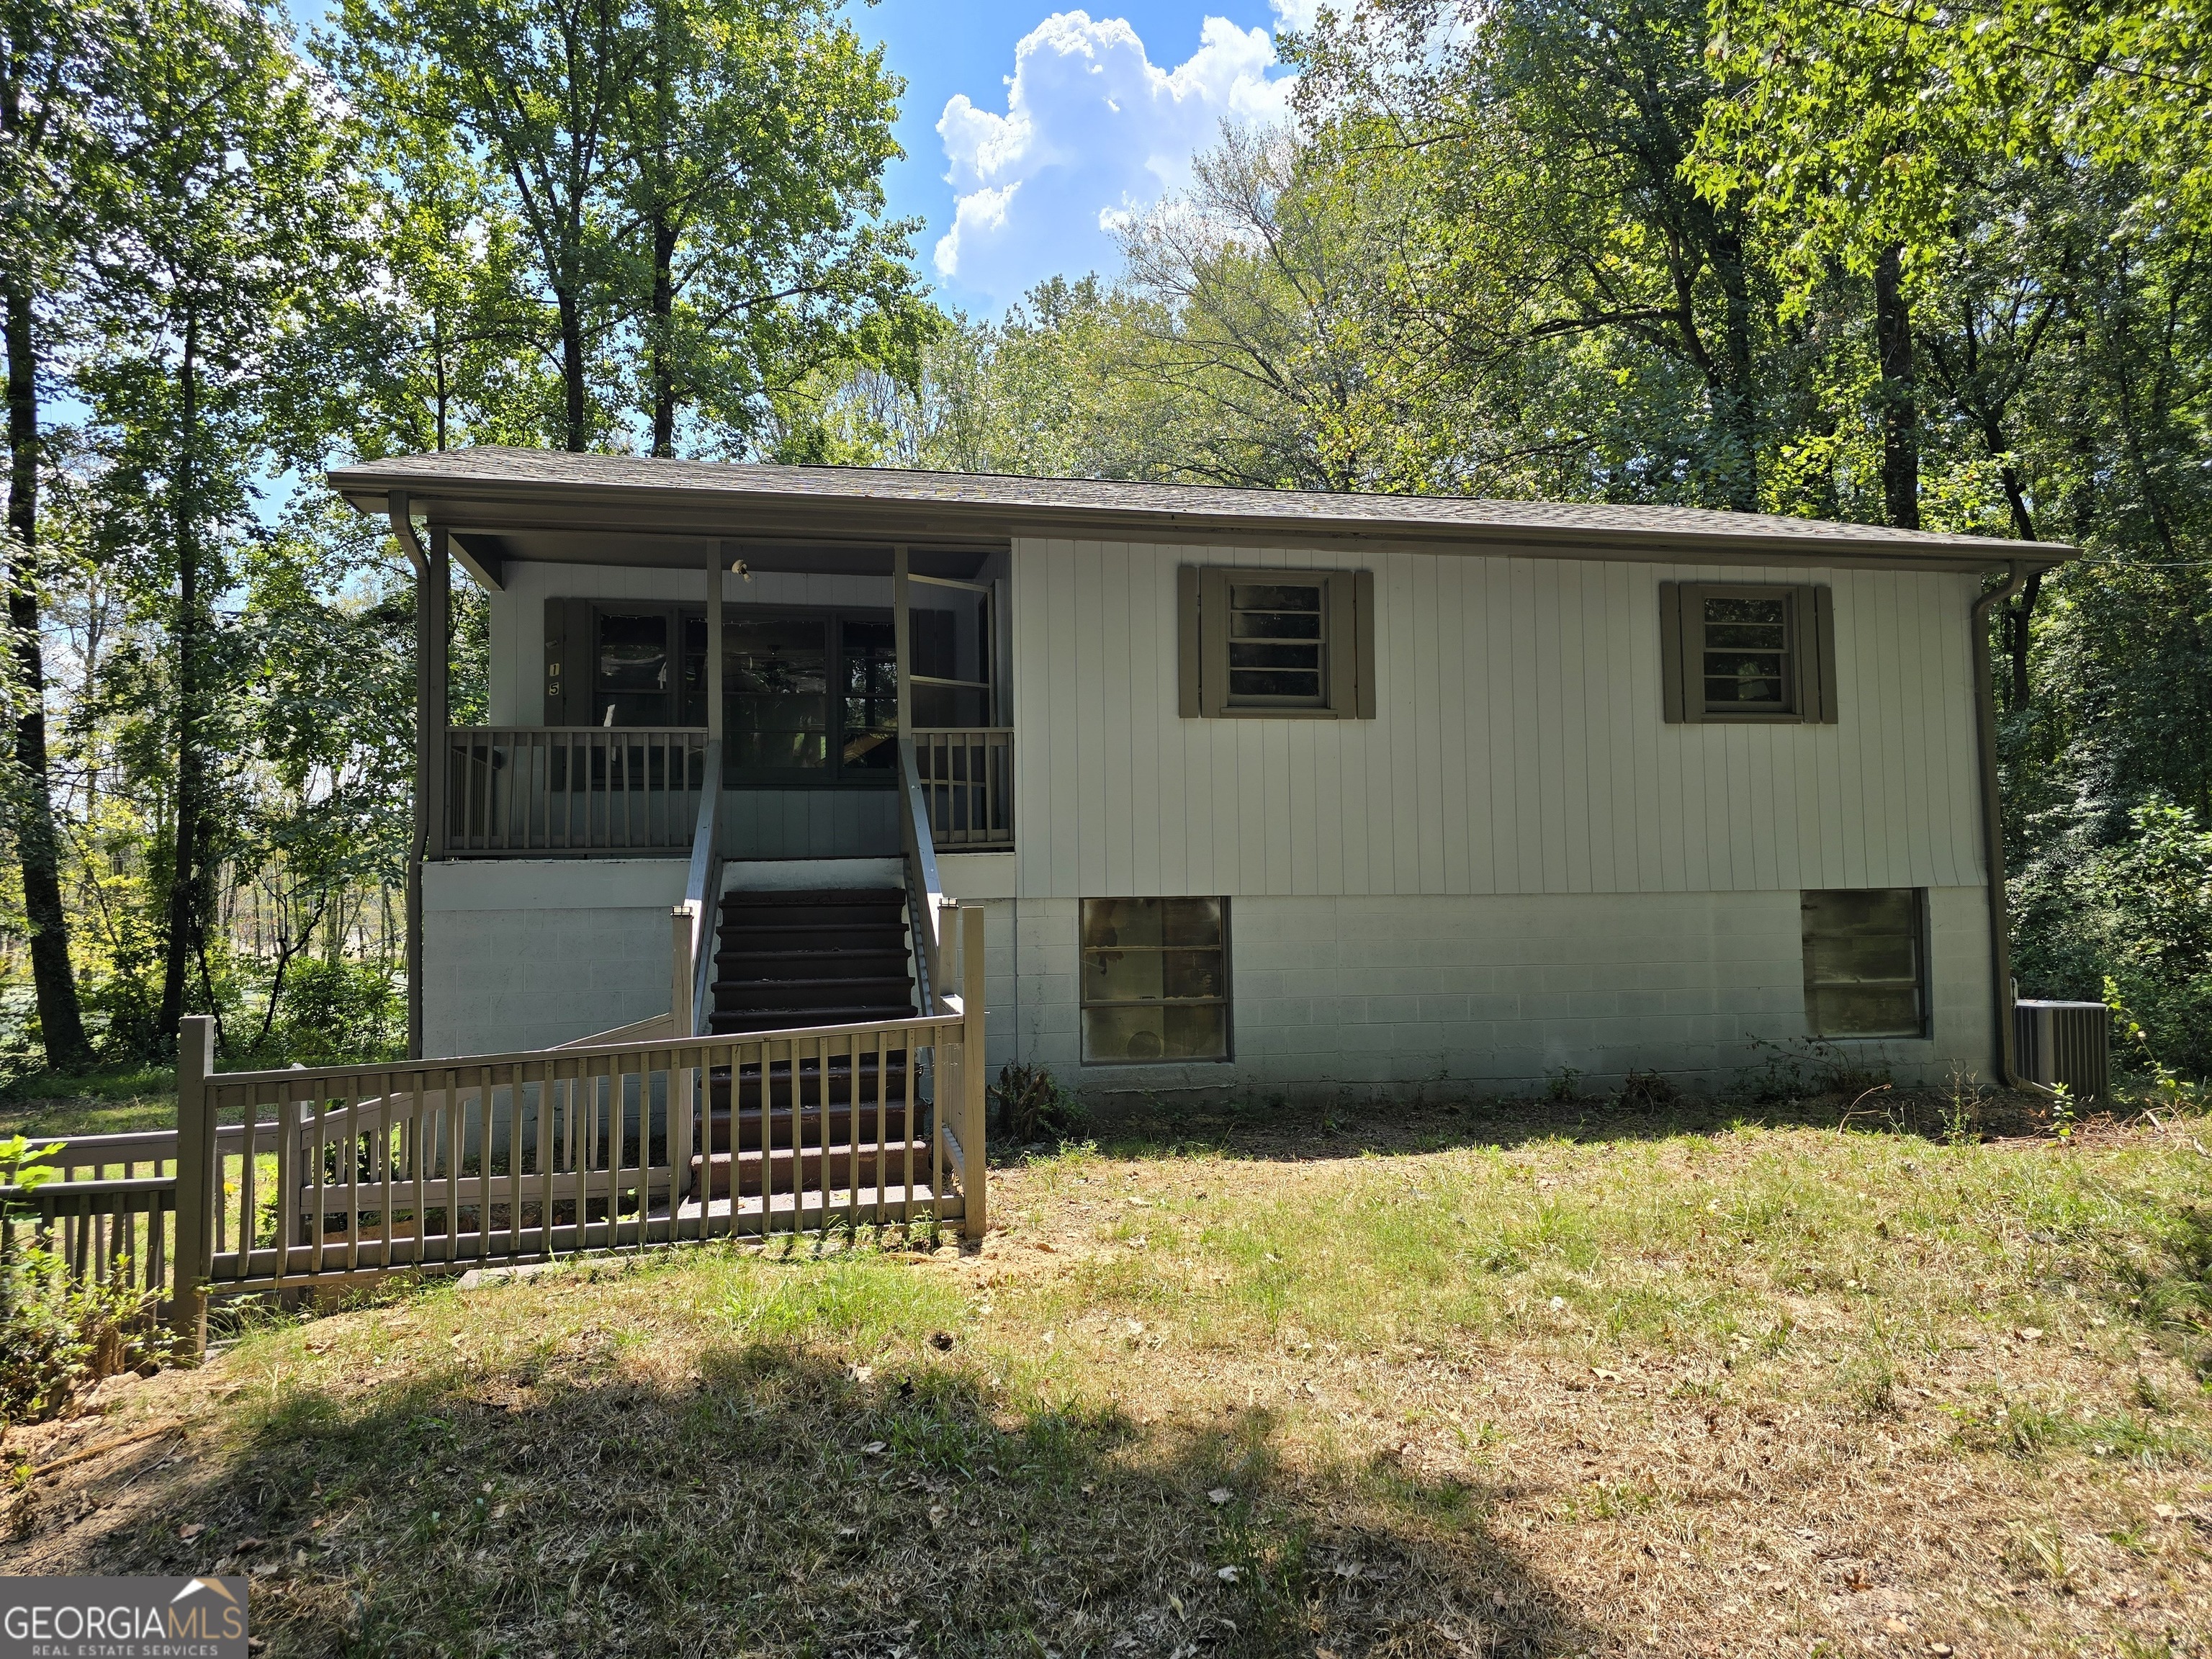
(1900,408)
(1739,406)
(61,1023)
(660,343)
(181,944)
(572,367)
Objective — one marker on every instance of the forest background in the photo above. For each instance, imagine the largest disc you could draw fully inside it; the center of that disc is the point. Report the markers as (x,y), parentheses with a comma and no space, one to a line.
(1930,266)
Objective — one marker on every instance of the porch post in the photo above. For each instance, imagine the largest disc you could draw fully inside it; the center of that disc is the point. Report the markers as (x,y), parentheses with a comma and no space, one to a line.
(901,630)
(432,666)
(714,568)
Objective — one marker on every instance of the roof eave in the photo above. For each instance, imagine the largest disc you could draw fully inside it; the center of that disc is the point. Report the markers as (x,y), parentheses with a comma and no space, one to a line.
(680,510)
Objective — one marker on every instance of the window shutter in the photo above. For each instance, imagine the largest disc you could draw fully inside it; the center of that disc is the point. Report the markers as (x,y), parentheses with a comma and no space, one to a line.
(1683,700)
(1212,643)
(1344,663)
(1187,651)
(1363,611)
(1819,656)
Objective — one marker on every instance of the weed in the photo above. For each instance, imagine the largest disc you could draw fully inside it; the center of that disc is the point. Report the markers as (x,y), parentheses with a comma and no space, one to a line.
(2037,1552)
(1560,1084)
(1962,1113)
(1033,1108)
(1647,1091)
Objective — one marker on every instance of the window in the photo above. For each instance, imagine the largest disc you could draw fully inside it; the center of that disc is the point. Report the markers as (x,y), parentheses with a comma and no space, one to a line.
(1287,643)
(1740,653)
(1155,980)
(1865,963)
(808,697)
(775,693)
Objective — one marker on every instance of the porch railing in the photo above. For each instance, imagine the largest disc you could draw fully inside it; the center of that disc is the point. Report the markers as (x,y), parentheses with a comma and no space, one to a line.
(967,779)
(519,790)
(571,788)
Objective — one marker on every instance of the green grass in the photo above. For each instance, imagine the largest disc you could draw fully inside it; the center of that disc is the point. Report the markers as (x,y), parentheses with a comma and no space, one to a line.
(1451,1381)
(107,1100)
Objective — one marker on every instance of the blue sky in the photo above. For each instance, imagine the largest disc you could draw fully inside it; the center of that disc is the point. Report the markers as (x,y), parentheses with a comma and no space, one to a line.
(1027,130)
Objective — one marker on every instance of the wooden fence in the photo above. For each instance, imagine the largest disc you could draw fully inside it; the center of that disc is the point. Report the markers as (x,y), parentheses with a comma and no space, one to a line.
(350,1173)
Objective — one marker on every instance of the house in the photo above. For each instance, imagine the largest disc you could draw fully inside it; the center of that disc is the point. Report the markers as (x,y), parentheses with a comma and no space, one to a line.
(1278,792)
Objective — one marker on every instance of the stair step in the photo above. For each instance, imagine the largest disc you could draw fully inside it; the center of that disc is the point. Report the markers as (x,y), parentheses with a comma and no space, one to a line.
(779,1127)
(811,936)
(847,1166)
(839,1084)
(885,909)
(738,1022)
(807,964)
(838,991)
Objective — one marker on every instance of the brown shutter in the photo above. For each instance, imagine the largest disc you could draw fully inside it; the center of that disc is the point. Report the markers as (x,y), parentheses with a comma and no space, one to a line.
(1363,610)
(1343,647)
(1213,643)
(1187,651)
(1820,655)
(1681,699)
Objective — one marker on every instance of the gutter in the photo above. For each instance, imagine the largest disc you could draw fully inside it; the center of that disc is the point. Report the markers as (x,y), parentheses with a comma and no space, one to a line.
(1985,743)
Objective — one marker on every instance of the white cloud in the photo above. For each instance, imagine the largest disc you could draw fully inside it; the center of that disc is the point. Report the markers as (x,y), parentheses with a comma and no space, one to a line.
(1097,132)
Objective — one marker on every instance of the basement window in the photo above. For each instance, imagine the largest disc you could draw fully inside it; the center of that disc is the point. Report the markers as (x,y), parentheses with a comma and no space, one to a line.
(1155,980)
(1866,963)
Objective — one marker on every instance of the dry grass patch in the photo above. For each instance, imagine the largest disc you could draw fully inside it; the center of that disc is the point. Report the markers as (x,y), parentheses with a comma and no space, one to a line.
(1464,1386)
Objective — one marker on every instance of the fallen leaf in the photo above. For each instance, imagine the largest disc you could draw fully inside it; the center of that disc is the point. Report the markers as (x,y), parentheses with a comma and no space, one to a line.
(190,1530)
(2029,1333)
(864,1373)
(1603,1374)
(1220,1495)
(939,1515)
(874,1447)
(1228,1575)
(1897,1627)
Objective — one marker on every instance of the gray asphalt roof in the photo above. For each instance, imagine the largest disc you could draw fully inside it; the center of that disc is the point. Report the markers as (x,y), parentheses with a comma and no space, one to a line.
(1108,506)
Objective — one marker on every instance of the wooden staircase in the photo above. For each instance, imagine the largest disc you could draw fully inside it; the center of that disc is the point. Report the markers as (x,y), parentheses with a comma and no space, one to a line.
(787,961)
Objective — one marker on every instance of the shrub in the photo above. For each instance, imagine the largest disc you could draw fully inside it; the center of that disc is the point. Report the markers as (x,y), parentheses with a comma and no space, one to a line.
(55,1334)
(1032,1106)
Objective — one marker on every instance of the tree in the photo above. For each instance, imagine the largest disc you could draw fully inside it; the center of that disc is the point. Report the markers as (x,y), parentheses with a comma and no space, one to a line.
(214,248)
(533,89)
(750,147)
(1550,135)
(56,63)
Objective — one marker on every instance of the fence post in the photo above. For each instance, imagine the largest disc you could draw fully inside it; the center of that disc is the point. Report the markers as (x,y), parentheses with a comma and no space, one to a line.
(193,1259)
(683,1013)
(975,1107)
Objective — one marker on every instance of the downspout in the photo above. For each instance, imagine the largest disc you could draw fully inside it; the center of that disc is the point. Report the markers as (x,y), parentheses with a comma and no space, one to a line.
(403,528)
(1985,734)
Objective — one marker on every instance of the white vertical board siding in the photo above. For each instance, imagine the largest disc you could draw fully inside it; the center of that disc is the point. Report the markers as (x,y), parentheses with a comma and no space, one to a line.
(1518,746)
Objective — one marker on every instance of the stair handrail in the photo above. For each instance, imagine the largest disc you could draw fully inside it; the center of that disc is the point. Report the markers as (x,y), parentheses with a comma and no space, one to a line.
(702,892)
(927,887)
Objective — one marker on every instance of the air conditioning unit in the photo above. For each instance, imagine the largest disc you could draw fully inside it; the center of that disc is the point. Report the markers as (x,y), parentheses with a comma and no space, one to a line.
(2068,1042)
